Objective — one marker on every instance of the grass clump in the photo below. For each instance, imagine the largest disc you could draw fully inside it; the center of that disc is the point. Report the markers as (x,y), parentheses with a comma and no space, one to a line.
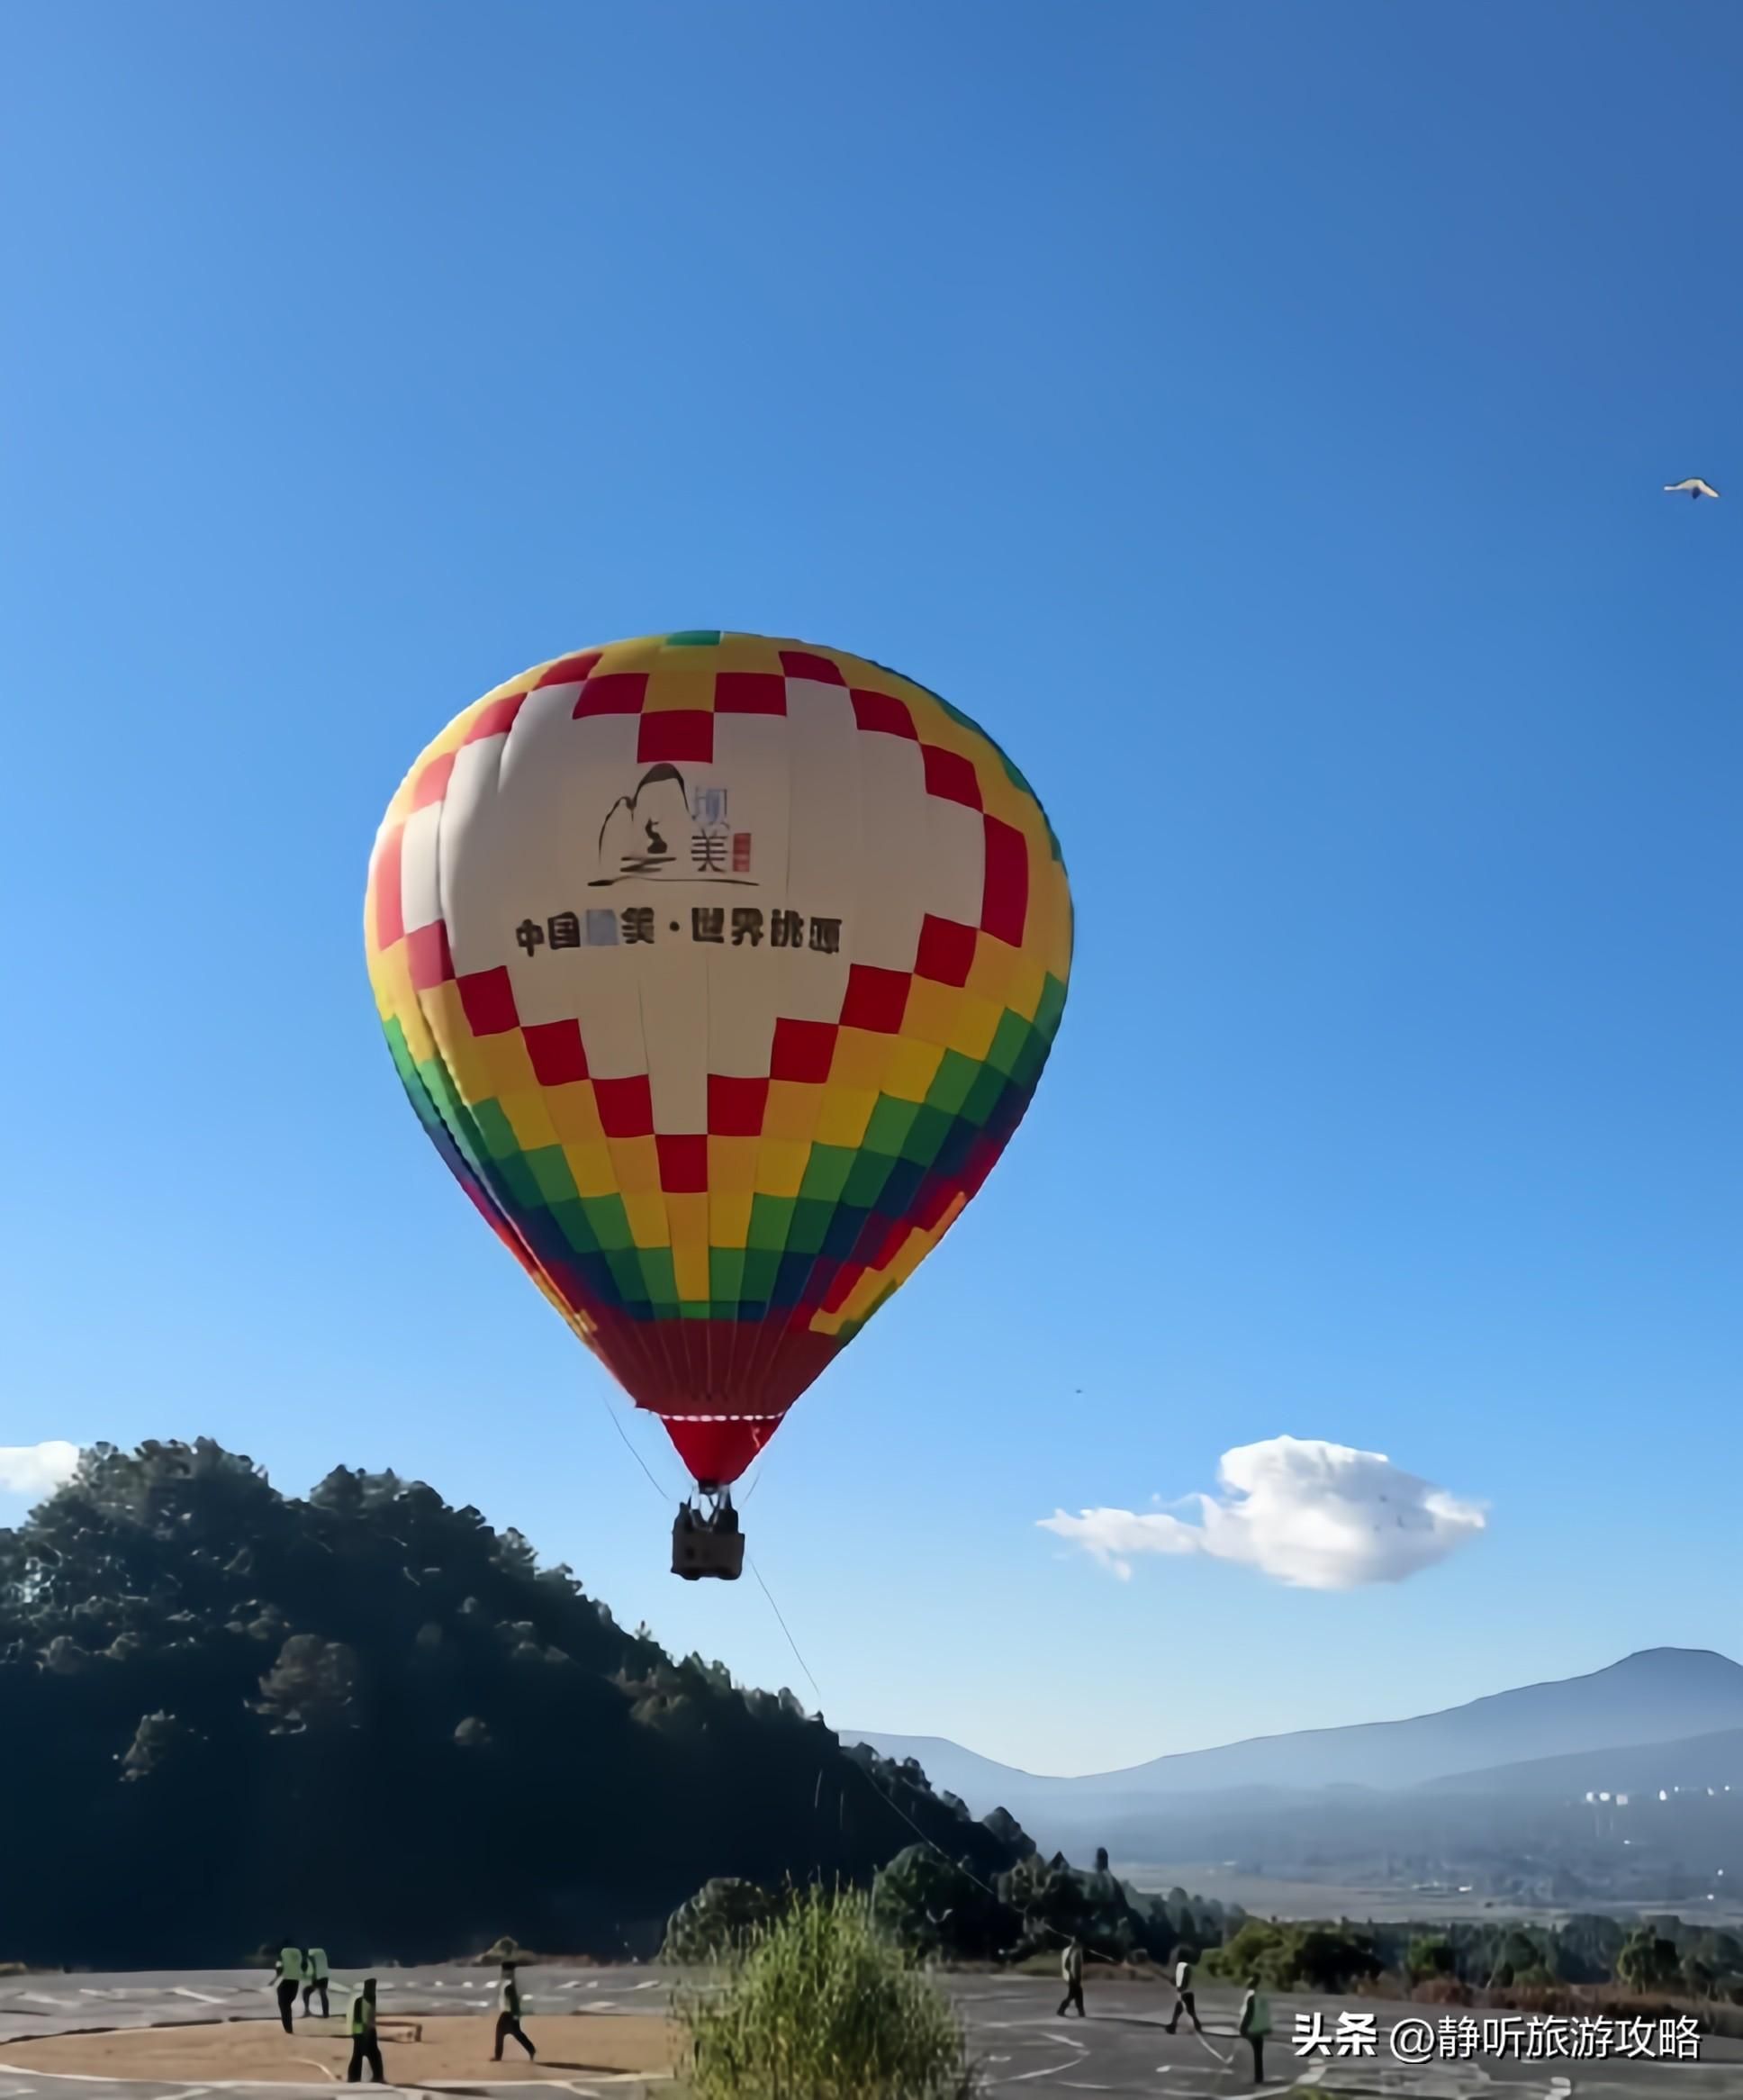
(819,2005)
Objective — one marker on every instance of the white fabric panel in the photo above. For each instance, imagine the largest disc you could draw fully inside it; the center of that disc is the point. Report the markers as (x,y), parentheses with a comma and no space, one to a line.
(534,851)
(475,884)
(556,789)
(601,990)
(893,857)
(839,826)
(592,762)
(823,844)
(673,977)
(953,847)
(743,982)
(544,733)
(421,888)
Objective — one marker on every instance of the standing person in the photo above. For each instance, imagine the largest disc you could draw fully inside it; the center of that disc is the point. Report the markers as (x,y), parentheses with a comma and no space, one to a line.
(1183,1994)
(315,1973)
(1071,1967)
(1256,2024)
(365,2048)
(508,2013)
(288,1970)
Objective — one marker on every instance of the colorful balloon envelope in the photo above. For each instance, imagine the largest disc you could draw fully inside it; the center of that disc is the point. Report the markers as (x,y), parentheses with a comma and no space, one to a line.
(719,970)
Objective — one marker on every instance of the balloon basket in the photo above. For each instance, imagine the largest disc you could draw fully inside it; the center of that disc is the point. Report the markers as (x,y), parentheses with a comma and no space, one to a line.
(706,1543)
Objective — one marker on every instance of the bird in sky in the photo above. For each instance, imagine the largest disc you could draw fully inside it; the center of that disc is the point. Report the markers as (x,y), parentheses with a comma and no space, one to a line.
(1694,488)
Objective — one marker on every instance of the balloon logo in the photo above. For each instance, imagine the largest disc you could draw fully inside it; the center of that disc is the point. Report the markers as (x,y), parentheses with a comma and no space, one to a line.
(719,970)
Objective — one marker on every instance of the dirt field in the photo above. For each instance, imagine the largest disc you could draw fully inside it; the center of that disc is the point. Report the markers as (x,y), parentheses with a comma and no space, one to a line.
(450,2050)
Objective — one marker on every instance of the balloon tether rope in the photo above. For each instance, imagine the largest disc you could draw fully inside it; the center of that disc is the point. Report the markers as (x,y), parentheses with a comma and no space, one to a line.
(889,1802)
(623,1437)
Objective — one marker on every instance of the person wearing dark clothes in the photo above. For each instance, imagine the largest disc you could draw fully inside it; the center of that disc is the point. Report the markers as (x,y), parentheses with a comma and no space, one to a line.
(1071,1967)
(288,1970)
(1183,1996)
(507,2015)
(365,2048)
(1256,2024)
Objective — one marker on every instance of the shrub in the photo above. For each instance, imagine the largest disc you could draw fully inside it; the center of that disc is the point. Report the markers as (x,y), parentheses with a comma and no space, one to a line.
(723,1917)
(1431,1955)
(819,2005)
(1442,1990)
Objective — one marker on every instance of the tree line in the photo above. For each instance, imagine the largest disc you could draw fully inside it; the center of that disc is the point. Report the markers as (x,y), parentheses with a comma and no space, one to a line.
(368,1718)
(937,1910)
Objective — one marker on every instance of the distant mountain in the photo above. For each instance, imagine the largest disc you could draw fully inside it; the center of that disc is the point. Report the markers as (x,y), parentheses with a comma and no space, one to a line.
(1659,1696)
(953,1770)
(964,1772)
(1698,1764)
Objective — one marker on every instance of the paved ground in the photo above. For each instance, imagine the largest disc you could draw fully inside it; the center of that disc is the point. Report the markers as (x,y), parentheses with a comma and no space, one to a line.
(1119,2051)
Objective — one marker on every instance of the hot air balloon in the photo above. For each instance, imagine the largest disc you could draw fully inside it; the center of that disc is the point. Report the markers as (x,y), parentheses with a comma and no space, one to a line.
(719,970)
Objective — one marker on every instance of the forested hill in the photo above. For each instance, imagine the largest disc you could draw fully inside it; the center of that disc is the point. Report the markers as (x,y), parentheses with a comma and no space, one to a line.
(366,1719)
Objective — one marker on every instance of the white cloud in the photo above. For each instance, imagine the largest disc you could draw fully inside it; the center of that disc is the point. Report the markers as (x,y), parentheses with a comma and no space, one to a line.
(1314,1516)
(35,1468)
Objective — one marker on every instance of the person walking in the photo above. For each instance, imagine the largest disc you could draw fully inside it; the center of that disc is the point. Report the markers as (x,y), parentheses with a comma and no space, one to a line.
(1183,1994)
(288,1971)
(1071,1967)
(1255,2024)
(365,2049)
(507,2015)
(315,1975)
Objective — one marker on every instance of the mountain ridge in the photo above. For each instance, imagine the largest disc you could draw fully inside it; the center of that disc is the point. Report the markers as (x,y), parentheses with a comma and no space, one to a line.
(1712,1761)
(1660,1695)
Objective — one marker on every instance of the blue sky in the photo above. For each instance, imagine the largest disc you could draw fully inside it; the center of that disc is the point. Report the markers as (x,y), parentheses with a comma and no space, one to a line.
(1257,418)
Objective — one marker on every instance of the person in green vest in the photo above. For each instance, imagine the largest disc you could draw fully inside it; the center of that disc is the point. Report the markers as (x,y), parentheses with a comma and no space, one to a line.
(1070,1968)
(315,1975)
(288,1971)
(1256,2024)
(508,2013)
(364,2046)
(1183,2000)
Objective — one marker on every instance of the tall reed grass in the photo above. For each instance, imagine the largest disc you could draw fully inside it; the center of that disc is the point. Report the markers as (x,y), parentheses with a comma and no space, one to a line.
(820,2005)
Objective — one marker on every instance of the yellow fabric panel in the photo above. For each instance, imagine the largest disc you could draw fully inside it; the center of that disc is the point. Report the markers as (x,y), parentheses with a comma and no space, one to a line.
(636,1161)
(649,1225)
(781,1168)
(912,1068)
(932,1013)
(847,1111)
(793,1108)
(529,1117)
(681,679)
(989,973)
(974,1027)
(575,1112)
(861,1059)
(509,1065)
(594,1171)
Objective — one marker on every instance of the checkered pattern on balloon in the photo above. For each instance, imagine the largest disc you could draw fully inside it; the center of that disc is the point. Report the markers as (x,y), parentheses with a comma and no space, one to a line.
(719,970)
